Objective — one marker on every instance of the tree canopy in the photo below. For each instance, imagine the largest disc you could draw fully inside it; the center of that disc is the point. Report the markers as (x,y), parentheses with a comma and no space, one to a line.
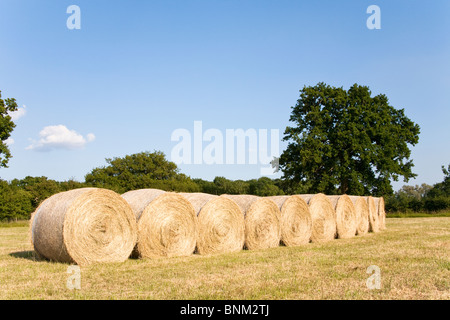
(346,141)
(442,189)
(6,127)
(139,171)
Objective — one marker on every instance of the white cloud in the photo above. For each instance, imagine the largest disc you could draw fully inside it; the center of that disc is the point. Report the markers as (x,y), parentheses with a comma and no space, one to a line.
(90,137)
(16,115)
(9,142)
(60,137)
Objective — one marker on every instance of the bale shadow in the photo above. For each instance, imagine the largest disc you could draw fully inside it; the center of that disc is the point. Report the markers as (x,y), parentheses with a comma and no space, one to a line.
(28,255)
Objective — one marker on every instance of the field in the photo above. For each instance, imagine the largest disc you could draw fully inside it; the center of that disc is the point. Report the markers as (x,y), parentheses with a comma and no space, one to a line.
(412,254)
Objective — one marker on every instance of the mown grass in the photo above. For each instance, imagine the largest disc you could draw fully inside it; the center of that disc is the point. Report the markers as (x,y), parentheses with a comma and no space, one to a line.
(418,214)
(13,224)
(412,254)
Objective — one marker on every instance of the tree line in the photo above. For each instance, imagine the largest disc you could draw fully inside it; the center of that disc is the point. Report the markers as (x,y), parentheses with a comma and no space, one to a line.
(340,142)
(421,198)
(20,197)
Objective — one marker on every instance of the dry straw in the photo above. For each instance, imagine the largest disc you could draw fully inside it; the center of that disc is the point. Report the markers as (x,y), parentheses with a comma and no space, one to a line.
(379,203)
(362,214)
(84,226)
(167,223)
(262,221)
(322,217)
(296,224)
(374,225)
(221,226)
(345,216)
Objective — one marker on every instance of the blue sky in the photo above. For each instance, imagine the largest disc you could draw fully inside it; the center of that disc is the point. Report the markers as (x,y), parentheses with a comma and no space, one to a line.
(137,71)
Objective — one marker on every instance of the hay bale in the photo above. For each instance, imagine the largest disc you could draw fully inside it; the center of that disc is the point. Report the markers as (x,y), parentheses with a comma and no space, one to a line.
(296,223)
(374,225)
(379,203)
(362,214)
(221,226)
(167,223)
(262,221)
(36,255)
(84,226)
(345,216)
(322,217)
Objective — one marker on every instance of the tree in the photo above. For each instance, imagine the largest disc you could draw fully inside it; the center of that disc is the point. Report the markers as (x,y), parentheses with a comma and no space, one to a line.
(139,171)
(70,185)
(222,185)
(347,142)
(40,188)
(415,192)
(264,186)
(15,203)
(408,198)
(6,127)
(441,189)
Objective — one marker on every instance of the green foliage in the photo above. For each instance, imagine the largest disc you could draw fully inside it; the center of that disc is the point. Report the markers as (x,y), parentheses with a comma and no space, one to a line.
(347,142)
(152,170)
(437,204)
(293,187)
(140,171)
(40,188)
(19,198)
(70,184)
(422,198)
(408,198)
(222,185)
(6,127)
(442,189)
(261,187)
(264,187)
(15,203)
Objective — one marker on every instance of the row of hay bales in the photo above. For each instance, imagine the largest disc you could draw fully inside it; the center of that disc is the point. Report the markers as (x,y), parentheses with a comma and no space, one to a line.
(92,225)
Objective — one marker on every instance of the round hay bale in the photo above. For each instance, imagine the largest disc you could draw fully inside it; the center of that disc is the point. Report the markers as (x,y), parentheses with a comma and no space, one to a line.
(379,203)
(296,223)
(84,226)
(36,255)
(221,226)
(345,216)
(262,221)
(167,223)
(322,217)
(362,214)
(374,225)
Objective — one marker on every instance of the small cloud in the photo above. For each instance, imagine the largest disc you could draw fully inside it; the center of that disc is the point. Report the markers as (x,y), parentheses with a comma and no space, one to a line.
(9,142)
(90,137)
(16,115)
(60,137)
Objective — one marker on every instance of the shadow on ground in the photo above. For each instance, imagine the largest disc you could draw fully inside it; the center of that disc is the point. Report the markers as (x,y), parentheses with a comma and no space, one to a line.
(29,255)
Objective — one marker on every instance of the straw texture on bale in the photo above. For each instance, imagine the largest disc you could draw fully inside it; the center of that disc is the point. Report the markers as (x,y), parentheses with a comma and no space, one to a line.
(84,226)
(296,224)
(167,223)
(374,225)
(345,216)
(262,221)
(221,226)
(362,214)
(36,255)
(322,217)
(379,203)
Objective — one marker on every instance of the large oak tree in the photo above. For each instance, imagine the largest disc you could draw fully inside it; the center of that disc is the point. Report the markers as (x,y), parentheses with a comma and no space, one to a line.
(346,141)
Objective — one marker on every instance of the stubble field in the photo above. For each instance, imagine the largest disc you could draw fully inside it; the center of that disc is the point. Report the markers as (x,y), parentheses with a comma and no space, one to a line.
(412,256)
